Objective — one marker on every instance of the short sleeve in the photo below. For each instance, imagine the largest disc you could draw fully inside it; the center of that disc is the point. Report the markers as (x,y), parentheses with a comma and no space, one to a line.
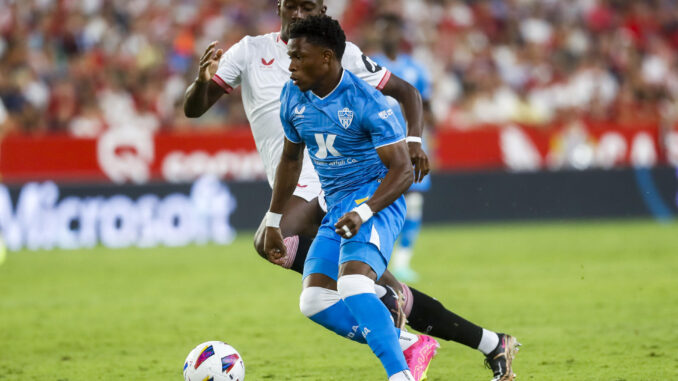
(381,123)
(231,66)
(364,67)
(424,83)
(290,132)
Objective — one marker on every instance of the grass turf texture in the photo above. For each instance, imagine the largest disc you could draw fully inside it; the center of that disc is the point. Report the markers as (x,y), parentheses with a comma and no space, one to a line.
(589,301)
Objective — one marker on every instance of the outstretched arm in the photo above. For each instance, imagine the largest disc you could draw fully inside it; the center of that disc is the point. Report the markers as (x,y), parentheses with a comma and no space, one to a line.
(286,178)
(397,180)
(204,92)
(411,103)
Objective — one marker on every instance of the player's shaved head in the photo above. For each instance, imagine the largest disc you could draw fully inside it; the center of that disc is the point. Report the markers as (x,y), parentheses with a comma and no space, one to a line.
(390,29)
(292,11)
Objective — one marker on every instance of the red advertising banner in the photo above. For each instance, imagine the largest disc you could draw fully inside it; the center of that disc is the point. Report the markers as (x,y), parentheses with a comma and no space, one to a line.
(575,146)
(126,155)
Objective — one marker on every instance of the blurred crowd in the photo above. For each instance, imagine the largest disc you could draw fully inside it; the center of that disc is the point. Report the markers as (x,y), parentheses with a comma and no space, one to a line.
(542,62)
(81,66)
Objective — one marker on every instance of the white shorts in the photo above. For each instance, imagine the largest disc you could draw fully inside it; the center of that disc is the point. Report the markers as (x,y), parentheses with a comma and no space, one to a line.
(308,186)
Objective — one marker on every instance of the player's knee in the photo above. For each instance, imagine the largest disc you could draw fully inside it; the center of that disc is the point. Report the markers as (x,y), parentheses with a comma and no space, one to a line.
(415,205)
(354,284)
(315,299)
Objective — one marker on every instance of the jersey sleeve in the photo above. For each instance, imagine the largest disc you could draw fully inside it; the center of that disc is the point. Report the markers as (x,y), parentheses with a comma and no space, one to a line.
(381,123)
(231,66)
(424,82)
(364,67)
(288,128)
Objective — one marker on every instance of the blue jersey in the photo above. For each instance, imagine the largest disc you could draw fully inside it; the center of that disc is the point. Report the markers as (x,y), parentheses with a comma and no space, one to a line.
(341,131)
(409,70)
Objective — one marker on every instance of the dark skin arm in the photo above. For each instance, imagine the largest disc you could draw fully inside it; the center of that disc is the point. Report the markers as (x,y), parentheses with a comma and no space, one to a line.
(411,104)
(286,177)
(204,92)
(397,180)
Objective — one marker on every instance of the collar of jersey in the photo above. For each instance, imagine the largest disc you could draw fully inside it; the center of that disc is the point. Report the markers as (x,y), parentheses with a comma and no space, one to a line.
(316,99)
(280,41)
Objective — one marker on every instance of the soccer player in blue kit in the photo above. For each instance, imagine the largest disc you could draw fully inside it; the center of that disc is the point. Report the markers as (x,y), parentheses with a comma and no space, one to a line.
(403,65)
(358,149)
(221,71)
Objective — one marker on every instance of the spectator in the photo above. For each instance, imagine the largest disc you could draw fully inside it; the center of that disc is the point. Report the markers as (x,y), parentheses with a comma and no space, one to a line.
(81,66)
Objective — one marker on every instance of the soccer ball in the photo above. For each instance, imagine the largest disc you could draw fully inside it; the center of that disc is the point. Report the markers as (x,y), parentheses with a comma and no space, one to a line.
(214,361)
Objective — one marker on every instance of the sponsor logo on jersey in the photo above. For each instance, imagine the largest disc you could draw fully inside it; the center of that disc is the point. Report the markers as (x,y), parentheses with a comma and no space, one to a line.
(299,110)
(267,63)
(385,114)
(345,117)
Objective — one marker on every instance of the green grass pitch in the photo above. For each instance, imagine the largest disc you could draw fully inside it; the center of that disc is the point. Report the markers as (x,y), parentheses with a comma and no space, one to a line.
(589,301)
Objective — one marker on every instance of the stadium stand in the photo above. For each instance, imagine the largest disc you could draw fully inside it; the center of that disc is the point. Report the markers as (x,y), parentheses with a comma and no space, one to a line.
(84,66)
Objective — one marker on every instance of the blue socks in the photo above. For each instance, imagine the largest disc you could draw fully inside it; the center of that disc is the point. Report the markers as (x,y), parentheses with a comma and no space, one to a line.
(338,319)
(374,320)
(409,233)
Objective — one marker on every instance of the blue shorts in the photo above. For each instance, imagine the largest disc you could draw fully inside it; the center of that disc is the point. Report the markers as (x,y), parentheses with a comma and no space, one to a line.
(372,244)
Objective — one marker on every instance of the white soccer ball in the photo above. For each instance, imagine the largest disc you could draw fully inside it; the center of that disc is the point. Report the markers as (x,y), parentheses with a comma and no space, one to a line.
(214,361)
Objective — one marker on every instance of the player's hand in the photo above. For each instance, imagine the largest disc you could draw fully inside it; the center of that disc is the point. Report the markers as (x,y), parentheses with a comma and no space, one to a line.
(401,318)
(419,160)
(209,62)
(273,245)
(348,225)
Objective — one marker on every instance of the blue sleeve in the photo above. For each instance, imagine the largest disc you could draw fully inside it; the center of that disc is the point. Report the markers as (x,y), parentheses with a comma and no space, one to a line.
(290,132)
(380,122)
(424,83)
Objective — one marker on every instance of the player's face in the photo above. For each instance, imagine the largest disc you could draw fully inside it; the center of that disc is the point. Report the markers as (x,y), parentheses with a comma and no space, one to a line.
(391,35)
(294,10)
(309,64)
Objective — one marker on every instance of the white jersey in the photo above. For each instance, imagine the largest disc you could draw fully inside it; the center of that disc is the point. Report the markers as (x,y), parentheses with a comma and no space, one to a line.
(260,65)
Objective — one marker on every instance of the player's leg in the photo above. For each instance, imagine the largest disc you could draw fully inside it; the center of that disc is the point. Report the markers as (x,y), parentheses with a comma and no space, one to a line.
(423,312)
(356,288)
(320,300)
(402,255)
(427,315)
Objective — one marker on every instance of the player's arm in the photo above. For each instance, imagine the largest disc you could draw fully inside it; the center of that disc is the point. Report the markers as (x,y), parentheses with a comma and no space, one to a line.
(204,92)
(286,178)
(397,180)
(411,104)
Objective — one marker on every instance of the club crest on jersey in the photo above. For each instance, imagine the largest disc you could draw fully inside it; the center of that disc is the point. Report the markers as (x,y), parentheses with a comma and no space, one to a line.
(345,117)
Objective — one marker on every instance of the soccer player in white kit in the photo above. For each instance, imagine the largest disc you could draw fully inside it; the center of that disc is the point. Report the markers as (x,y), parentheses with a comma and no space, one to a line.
(259,64)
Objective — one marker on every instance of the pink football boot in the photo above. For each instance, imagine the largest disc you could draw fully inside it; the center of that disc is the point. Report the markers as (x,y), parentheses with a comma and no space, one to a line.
(419,356)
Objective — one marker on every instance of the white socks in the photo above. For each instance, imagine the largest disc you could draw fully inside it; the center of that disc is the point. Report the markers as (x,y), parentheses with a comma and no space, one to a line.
(488,342)
(406,339)
(405,375)
(401,258)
